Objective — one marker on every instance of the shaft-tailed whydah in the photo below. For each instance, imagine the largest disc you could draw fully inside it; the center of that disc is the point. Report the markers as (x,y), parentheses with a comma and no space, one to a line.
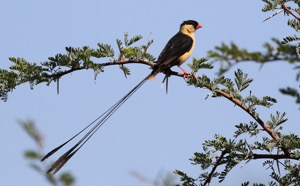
(176,52)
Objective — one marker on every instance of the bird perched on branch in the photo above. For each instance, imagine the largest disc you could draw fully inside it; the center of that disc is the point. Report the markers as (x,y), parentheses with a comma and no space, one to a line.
(176,52)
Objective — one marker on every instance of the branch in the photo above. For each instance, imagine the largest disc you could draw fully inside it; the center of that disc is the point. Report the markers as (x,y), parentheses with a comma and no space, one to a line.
(143,62)
(246,109)
(44,77)
(224,152)
(254,156)
(286,9)
(273,156)
(123,62)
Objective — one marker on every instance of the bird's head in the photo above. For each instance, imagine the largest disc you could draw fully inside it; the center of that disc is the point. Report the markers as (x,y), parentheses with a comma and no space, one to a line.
(189,26)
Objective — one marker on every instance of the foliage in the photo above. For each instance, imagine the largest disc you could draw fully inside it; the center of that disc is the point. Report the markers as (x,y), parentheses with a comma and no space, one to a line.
(230,55)
(248,143)
(253,140)
(34,156)
(285,50)
(22,71)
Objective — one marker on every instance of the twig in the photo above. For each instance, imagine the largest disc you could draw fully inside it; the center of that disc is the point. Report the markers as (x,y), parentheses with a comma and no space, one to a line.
(123,62)
(286,9)
(273,15)
(254,156)
(60,74)
(273,156)
(224,152)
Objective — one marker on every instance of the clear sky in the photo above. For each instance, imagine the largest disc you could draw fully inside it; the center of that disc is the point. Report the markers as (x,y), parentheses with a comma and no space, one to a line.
(153,132)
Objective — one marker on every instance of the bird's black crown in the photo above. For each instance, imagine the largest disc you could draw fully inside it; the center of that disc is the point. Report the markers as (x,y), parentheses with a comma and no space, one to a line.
(190,22)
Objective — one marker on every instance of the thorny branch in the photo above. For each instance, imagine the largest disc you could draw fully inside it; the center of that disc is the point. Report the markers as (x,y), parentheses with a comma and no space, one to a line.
(287,9)
(246,109)
(286,155)
(224,152)
(121,62)
(254,156)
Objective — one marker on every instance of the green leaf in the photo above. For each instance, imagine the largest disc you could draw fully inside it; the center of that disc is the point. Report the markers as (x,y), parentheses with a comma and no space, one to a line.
(243,128)
(289,39)
(32,131)
(199,64)
(125,70)
(104,50)
(293,92)
(131,41)
(67,179)
(277,120)
(134,40)
(269,5)
(241,80)
(30,154)
(119,44)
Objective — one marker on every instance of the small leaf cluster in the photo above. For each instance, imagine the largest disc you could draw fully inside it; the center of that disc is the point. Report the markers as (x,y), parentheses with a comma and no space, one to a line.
(271,5)
(228,55)
(34,157)
(271,183)
(76,58)
(199,64)
(294,92)
(127,51)
(291,175)
(234,89)
(221,155)
(291,92)
(294,12)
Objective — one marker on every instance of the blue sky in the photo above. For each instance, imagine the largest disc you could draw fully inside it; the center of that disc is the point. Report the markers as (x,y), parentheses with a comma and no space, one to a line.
(153,132)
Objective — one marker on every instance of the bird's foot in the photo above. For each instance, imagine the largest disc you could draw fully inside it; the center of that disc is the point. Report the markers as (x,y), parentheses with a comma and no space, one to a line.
(189,75)
(185,73)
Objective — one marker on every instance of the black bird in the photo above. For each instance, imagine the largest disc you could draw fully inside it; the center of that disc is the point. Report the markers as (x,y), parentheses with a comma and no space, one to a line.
(176,52)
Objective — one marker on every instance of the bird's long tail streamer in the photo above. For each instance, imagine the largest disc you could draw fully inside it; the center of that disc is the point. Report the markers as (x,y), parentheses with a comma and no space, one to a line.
(62,160)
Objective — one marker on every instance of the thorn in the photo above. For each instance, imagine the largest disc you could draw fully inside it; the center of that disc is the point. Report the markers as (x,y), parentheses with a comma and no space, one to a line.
(57,86)
(161,85)
(208,95)
(281,10)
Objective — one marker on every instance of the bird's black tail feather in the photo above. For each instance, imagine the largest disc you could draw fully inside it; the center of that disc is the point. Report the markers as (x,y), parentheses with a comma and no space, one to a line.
(60,162)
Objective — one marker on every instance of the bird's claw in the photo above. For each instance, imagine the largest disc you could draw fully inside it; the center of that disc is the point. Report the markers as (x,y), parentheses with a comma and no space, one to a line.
(188,75)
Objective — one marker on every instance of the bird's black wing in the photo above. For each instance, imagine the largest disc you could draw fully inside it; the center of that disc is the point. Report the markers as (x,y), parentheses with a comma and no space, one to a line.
(178,45)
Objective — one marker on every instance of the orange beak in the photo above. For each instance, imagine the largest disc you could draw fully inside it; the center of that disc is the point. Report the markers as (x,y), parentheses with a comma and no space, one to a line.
(199,26)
